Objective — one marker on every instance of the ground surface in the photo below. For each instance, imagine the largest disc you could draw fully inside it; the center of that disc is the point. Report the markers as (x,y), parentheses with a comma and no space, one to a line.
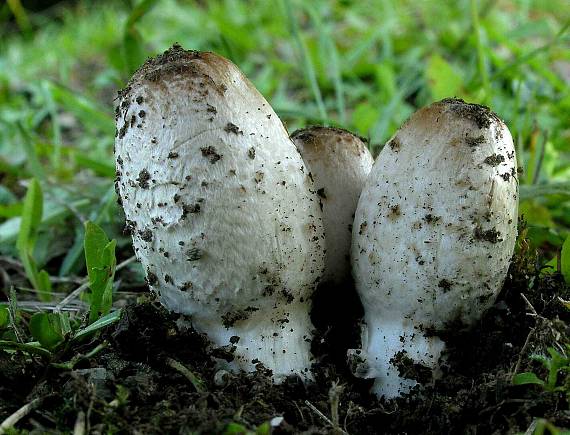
(158,376)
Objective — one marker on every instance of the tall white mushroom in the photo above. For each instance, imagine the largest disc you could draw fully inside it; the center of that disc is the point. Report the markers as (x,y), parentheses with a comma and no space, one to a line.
(339,162)
(223,214)
(433,236)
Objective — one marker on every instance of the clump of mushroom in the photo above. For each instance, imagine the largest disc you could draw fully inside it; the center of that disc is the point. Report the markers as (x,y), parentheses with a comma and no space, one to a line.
(433,236)
(223,214)
(339,162)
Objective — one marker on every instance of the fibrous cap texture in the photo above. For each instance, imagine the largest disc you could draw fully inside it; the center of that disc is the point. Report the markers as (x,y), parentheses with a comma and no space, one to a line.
(435,226)
(339,162)
(223,214)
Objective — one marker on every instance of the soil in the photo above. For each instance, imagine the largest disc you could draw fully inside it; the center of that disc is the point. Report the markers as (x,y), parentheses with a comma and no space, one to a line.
(157,375)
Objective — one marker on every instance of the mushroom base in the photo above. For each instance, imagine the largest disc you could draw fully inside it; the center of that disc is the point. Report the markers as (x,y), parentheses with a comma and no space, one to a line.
(279,339)
(397,355)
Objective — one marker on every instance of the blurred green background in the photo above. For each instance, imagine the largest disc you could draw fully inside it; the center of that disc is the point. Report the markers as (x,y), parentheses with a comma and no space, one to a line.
(362,65)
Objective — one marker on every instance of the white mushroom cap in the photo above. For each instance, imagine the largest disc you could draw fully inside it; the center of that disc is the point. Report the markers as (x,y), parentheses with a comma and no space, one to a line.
(434,233)
(339,162)
(223,213)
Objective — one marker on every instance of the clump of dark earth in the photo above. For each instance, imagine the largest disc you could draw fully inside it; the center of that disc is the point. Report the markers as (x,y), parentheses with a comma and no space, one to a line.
(136,385)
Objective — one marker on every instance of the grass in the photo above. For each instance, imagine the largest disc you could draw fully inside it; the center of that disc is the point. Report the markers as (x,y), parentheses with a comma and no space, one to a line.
(365,67)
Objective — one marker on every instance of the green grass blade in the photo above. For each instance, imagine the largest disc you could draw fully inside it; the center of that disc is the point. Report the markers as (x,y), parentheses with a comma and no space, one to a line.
(32,212)
(31,216)
(536,190)
(565,260)
(46,328)
(527,378)
(101,263)
(140,11)
(533,53)
(55,125)
(32,157)
(101,323)
(21,16)
(9,230)
(31,348)
(134,52)
(101,168)
(308,67)
(86,110)
(481,58)
(333,64)
(4,317)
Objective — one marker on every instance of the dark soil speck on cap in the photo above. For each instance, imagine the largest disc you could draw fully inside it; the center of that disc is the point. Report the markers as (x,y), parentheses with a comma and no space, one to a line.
(229,319)
(151,278)
(311,133)
(492,235)
(445,285)
(494,159)
(194,254)
(143,179)
(190,208)
(482,116)
(175,63)
(395,144)
(394,211)
(146,235)
(232,128)
(474,141)
(259,177)
(211,154)
(130,227)
(430,218)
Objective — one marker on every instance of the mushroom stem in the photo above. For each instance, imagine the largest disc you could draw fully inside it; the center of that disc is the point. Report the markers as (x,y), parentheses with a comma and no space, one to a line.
(391,350)
(279,338)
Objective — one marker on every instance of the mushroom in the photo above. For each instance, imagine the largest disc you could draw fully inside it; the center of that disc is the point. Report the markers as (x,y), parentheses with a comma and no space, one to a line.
(433,236)
(223,213)
(339,162)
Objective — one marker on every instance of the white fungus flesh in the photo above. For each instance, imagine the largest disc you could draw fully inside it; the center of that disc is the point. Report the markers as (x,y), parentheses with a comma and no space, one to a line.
(339,162)
(223,214)
(433,236)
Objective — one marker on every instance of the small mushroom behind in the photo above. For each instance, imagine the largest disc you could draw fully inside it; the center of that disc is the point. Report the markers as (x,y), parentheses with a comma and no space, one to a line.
(223,214)
(433,236)
(339,163)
